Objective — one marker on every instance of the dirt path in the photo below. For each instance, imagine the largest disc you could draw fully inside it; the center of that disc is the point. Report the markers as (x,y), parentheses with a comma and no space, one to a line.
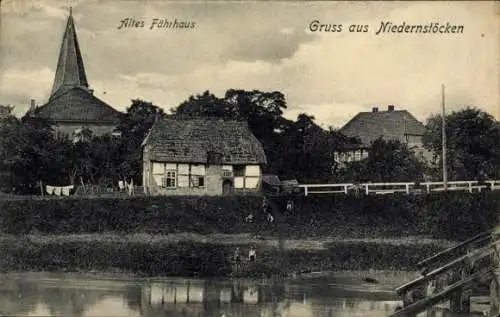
(228,239)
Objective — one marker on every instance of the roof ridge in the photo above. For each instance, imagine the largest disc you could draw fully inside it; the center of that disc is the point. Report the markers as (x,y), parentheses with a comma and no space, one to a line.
(390,124)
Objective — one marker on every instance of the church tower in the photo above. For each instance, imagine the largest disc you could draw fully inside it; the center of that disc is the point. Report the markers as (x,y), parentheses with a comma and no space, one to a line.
(72,106)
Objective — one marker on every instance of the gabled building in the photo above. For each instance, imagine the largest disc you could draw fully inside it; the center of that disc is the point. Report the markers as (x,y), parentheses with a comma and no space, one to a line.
(72,106)
(390,125)
(201,157)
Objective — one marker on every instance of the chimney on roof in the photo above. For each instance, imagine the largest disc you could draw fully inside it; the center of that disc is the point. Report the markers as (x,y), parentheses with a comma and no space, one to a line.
(390,108)
(375,109)
(32,105)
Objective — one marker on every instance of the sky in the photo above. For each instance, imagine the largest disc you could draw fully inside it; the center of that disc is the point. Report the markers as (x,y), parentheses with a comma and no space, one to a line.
(260,45)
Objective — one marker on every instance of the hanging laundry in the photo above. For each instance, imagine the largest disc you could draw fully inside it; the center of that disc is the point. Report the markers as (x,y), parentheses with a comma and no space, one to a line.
(57,191)
(66,190)
(131,187)
(49,189)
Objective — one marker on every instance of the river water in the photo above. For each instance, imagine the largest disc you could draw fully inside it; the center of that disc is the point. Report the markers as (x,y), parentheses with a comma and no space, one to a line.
(70,294)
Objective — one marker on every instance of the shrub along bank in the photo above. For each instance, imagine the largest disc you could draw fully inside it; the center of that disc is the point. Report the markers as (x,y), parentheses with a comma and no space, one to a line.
(453,215)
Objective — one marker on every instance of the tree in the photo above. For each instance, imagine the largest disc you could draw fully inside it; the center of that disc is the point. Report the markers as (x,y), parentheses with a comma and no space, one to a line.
(134,126)
(472,146)
(205,105)
(294,149)
(262,110)
(31,153)
(306,151)
(387,161)
(96,161)
(139,118)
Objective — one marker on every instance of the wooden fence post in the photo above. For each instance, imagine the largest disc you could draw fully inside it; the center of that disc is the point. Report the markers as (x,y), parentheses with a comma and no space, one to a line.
(305,190)
(495,294)
(460,302)
(432,311)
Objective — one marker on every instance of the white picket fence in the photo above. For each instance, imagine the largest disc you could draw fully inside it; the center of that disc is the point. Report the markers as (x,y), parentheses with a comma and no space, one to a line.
(391,188)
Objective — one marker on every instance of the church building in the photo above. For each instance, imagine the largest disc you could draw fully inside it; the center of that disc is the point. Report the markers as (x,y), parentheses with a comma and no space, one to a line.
(72,106)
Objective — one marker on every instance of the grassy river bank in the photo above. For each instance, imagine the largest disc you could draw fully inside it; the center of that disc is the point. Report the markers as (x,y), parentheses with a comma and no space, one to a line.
(197,236)
(186,254)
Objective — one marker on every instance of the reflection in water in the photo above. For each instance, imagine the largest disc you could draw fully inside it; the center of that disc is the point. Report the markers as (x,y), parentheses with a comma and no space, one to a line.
(73,295)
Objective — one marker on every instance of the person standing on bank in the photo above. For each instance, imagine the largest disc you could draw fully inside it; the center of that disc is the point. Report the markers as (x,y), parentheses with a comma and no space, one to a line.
(237,258)
(252,254)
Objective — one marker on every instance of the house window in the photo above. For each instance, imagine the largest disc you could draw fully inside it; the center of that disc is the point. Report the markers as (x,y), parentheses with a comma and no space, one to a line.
(197,181)
(197,176)
(170,179)
(239,170)
(252,176)
(227,171)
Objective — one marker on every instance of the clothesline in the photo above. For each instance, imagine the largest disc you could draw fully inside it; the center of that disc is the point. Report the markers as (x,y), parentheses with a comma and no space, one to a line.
(68,190)
(59,190)
(125,185)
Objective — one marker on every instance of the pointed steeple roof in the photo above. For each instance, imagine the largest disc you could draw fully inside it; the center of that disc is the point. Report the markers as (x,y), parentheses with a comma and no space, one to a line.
(71,100)
(70,72)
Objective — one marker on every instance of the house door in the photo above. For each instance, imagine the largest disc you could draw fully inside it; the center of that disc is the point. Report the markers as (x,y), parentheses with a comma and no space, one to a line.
(227,187)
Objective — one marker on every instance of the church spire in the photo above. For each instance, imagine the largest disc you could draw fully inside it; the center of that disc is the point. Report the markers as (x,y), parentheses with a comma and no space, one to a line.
(70,71)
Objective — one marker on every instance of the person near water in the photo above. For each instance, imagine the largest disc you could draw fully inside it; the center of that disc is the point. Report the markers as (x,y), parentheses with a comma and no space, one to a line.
(270,217)
(252,254)
(264,203)
(249,218)
(237,256)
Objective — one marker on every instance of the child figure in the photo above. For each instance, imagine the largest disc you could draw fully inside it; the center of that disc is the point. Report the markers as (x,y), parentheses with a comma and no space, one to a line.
(237,256)
(249,218)
(252,254)
(270,217)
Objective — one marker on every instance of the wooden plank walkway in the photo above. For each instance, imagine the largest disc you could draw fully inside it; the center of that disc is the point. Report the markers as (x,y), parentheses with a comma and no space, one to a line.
(455,275)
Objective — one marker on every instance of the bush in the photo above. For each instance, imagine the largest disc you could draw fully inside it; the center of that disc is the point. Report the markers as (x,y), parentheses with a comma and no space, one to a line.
(453,215)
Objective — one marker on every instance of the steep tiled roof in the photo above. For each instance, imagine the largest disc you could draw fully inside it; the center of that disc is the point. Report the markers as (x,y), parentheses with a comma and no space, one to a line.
(369,126)
(78,105)
(190,141)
